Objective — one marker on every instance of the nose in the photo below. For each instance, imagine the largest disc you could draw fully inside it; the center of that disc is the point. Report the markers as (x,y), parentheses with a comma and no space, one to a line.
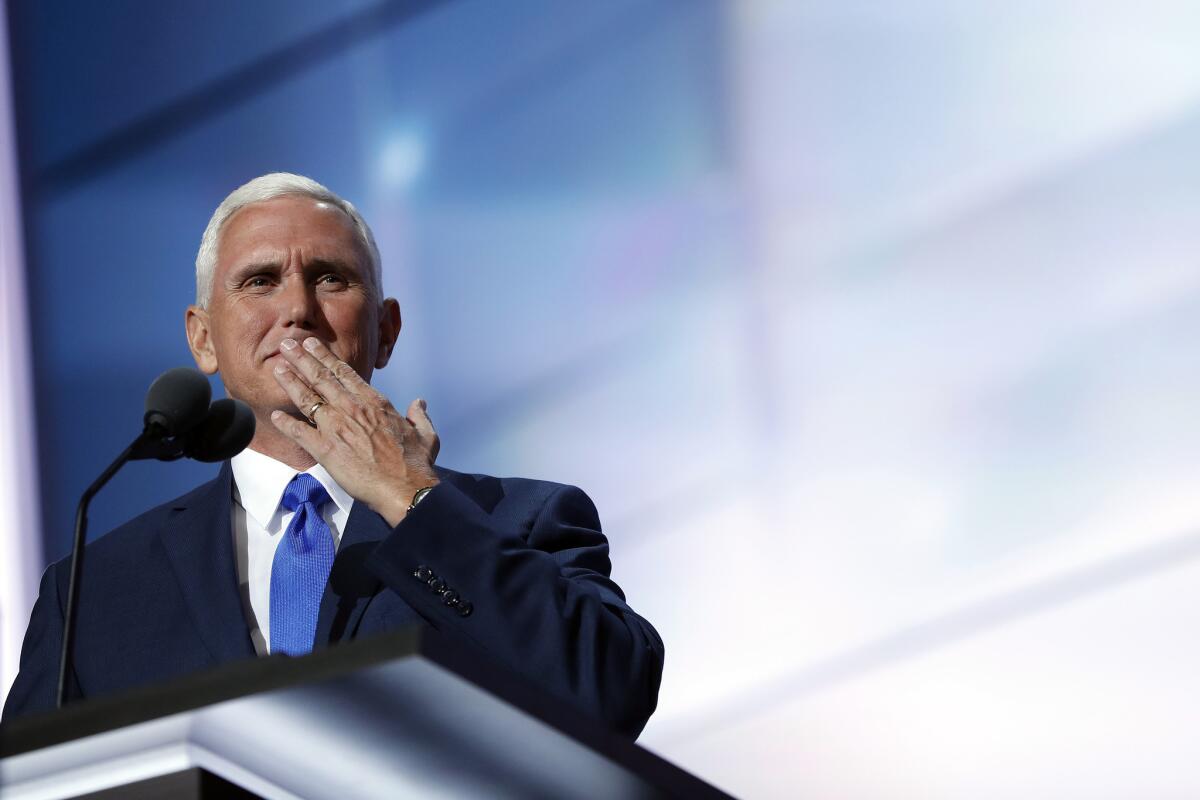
(298,303)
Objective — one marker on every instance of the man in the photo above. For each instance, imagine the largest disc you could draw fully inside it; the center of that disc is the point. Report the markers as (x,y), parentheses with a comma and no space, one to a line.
(335,523)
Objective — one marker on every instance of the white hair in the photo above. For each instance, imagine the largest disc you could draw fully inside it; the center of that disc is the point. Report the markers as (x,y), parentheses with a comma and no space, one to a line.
(268,187)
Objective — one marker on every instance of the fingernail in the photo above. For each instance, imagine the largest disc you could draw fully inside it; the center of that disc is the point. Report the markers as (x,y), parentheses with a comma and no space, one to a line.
(311,343)
(276,415)
(422,402)
(280,369)
(288,344)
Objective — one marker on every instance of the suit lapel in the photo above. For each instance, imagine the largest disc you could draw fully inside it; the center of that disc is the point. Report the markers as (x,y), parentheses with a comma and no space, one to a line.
(351,585)
(198,539)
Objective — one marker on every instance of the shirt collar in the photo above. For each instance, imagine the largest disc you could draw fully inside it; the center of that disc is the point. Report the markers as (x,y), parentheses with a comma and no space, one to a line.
(259,481)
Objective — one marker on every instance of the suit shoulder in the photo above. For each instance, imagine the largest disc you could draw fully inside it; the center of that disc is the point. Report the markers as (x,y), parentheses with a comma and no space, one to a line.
(135,532)
(490,491)
(479,483)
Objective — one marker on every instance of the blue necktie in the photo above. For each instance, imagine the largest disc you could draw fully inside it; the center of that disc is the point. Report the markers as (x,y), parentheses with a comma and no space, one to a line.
(301,568)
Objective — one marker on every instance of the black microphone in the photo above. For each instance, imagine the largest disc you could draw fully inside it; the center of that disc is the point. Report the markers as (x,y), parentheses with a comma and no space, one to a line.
(178,421)
(223,434)
(177,401)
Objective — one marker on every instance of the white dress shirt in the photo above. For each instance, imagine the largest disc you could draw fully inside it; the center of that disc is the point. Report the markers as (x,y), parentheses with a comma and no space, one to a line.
(258,525)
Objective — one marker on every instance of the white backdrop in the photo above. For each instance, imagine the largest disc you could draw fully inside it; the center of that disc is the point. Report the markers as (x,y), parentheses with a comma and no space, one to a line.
(20,550)
(954,543)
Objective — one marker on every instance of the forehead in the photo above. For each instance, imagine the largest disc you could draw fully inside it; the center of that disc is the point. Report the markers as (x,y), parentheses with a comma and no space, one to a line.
(272,228)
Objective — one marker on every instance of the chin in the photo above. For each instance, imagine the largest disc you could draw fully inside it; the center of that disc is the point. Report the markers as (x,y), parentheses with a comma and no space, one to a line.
(261,402)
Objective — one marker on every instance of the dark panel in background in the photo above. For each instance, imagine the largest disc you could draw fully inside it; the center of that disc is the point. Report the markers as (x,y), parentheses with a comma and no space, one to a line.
(479,139)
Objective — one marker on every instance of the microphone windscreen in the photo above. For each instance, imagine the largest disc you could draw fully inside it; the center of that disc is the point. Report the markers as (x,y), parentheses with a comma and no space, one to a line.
(178,400)
(223,434)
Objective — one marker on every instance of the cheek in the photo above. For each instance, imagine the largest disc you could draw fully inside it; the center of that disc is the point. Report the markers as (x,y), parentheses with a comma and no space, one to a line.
(240,335)
(354,330)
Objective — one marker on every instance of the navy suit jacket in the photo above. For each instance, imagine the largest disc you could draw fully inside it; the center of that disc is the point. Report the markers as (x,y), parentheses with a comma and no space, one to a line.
(160,596)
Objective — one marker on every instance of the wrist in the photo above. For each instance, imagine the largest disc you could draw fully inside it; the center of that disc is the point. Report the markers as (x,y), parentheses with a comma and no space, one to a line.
(402,500)
(418,496)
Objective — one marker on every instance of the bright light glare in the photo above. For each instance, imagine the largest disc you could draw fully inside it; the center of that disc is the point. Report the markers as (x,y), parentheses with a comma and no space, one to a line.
(402,160)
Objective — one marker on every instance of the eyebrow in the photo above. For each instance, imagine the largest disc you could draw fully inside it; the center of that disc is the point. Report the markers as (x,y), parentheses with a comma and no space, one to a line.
(249,267)
(332,264)
(242,271)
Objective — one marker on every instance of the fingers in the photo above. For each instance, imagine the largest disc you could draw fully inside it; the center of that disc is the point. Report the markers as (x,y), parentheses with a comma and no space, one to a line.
(333,379)
(340,369)
(320,377)
(304,435)
(418,415)
(301,394)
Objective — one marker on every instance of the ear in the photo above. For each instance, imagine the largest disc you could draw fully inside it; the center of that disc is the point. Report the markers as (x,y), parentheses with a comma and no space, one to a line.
(389,330)
(199,337)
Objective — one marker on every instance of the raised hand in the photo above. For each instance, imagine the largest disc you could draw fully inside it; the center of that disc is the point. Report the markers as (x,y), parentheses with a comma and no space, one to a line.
(378,455)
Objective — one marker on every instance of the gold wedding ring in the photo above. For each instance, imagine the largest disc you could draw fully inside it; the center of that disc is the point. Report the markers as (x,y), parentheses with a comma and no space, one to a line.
(312,411)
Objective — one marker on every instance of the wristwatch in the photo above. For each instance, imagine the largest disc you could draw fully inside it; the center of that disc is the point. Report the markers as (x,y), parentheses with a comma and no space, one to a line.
(419,496)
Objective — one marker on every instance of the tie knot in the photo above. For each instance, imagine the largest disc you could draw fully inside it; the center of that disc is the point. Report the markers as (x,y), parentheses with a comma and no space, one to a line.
(304,488)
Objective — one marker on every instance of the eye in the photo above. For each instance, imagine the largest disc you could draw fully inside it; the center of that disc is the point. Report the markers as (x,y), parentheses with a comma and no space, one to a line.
(331,278)
(257,282)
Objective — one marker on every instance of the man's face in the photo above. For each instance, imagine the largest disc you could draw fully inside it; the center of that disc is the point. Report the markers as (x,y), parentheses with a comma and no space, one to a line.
(291,267)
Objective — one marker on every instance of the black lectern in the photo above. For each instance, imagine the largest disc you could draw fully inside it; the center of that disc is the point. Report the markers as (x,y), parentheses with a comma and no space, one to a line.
(404,715)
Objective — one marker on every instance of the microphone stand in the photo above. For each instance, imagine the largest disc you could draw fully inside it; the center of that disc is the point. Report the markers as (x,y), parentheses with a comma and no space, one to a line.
(149,444)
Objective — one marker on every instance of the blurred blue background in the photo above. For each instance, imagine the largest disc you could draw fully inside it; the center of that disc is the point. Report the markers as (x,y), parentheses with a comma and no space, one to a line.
(871,328)
(472,137)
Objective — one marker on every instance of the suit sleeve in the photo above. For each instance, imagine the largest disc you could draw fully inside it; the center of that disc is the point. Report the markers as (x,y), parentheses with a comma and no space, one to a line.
(540,599)
(36,687)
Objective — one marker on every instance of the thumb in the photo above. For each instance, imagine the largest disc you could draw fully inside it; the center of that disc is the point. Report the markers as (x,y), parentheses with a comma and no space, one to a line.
(418,415)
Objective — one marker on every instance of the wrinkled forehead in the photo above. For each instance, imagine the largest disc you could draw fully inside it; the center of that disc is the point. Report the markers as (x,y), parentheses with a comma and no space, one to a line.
(276,227)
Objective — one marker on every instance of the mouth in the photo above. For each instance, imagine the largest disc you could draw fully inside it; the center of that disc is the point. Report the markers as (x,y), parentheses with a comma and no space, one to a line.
(277,353)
